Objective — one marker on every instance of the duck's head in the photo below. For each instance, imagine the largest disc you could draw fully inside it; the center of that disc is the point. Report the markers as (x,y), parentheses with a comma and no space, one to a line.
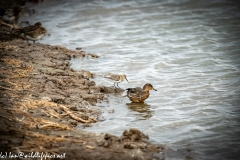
(148,87)
(38,24)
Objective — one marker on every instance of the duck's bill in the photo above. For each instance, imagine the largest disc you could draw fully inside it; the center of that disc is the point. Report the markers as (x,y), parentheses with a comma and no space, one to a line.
(127,80)
(154,89)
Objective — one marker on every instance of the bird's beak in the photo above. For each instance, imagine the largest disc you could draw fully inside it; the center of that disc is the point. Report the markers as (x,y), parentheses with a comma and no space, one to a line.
(127,80)
(154,89)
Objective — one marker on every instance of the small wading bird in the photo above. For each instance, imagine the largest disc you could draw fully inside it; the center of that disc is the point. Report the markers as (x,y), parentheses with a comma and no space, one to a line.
(33,33)
(139,94)
(10,15)
(115,78)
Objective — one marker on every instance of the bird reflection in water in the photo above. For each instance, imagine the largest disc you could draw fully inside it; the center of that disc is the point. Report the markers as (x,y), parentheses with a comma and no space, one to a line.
(142,108)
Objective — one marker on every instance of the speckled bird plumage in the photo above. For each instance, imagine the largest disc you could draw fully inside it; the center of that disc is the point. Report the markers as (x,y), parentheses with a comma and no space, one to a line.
(139,94)
(33,33)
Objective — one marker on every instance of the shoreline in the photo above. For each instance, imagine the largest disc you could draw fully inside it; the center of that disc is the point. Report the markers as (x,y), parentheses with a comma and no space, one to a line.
(43,100)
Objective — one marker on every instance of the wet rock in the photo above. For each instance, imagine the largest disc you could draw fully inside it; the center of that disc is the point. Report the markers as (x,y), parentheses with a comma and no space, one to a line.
(58,98)
(46,99)
(73,99)
(94,89)
(38,114)
(93,55)
(99,96)
(92,98)
(74,108)
(72,122)
(135,131)
(101,118)
(106,144)
(106,90)
(129,146)
(142,145)
(82,87)
(62,57)
(48,64)
(3,99)
(78,48)
(87,74)
(133,135)
(127,133)
(91,83)
(100,143)
(57,109)
(107,136)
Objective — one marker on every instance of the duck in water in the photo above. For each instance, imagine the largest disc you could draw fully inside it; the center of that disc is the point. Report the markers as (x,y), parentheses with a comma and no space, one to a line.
(139,94)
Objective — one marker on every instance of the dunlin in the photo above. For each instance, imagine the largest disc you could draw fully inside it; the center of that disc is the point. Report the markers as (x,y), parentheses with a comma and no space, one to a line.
(115,78)
(139,94)
(33,33)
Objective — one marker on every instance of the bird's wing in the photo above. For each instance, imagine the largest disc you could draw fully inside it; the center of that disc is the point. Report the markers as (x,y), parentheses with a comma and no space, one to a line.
(113,77)
(30,29)
(134,92)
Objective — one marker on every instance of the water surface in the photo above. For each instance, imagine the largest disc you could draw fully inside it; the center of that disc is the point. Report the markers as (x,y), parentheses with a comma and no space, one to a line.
(188,50)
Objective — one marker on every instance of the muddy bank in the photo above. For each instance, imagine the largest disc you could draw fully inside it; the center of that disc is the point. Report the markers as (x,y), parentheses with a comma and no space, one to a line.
(43,99)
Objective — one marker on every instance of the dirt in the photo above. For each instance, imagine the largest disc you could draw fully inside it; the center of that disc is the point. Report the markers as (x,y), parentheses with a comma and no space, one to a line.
(43,100)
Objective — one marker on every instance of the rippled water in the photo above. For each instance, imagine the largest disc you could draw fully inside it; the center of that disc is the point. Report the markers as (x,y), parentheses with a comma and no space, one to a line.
(188,50)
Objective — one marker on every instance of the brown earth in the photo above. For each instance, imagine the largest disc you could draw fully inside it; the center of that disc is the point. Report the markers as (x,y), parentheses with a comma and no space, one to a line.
(43,100)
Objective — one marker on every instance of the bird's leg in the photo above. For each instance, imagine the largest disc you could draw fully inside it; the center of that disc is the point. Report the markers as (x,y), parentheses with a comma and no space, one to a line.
(117,85)
(114,85)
